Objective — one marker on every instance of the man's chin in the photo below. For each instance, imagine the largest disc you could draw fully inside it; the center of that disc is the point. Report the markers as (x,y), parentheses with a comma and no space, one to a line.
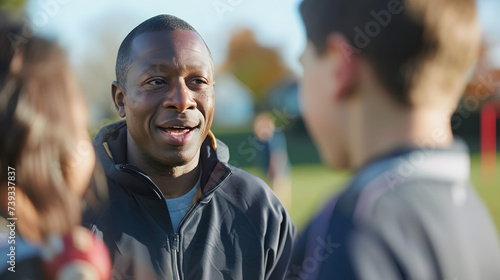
(177,158)
(174,155)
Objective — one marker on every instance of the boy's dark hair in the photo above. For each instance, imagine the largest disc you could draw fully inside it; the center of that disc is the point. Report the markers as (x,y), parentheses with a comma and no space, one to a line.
(154,24)
(408,43)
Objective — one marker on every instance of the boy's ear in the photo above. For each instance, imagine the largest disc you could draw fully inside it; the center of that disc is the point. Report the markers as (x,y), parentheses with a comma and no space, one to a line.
(347,65)
(118,95)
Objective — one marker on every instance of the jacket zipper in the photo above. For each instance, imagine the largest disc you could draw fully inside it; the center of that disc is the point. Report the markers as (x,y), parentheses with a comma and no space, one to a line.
(176,266)
(175,262)
(175,241)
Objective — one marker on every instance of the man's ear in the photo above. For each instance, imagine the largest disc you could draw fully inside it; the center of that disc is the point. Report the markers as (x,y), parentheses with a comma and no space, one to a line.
(347,64)
(118,95)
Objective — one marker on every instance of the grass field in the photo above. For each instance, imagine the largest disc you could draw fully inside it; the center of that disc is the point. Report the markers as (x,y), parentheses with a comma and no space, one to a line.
(313,185)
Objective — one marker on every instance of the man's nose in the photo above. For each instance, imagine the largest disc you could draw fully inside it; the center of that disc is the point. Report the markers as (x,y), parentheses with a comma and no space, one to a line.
(180,98)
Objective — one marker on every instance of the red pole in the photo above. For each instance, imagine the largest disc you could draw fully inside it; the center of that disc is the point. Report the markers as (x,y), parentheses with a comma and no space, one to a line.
(488,142)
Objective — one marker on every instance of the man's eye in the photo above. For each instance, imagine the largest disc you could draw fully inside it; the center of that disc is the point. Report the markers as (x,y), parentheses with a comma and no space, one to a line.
(157,82)
(199,81)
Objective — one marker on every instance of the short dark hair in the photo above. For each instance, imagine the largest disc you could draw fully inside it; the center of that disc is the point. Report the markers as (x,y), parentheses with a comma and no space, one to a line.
(401,39)
(154,24)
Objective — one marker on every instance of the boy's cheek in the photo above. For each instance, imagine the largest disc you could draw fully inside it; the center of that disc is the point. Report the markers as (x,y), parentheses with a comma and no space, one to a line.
(306,96)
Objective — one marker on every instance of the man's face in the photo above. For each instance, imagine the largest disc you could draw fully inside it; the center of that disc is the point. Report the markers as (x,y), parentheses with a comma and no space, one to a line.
(169,96)
(324,116)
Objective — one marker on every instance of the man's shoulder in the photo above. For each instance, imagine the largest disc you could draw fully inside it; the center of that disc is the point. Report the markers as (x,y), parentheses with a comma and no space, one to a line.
(252,197)
(244,176)
(248,187)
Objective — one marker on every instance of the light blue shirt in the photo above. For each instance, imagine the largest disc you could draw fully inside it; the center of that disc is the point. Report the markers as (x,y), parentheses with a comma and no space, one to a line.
(179,206)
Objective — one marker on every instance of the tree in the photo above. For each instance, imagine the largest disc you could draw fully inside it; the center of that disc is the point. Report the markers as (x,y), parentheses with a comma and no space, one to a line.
(258,67)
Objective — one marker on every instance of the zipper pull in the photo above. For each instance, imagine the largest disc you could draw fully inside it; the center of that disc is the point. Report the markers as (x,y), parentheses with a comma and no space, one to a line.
(175,245)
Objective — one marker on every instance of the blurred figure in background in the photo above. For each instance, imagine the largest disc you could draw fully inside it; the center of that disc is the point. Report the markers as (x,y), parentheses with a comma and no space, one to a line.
(273,157)
(46,162)
(381,80)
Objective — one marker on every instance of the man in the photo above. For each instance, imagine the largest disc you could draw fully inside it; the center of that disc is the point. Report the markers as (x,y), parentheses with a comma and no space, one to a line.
(176,209)
(381,79)
(273,159)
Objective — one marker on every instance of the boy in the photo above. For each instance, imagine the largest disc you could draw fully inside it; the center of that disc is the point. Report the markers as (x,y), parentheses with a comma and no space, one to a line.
(381,80)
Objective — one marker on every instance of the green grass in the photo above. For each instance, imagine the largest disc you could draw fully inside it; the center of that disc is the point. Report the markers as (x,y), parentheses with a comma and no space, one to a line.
(489,191)
(313,185)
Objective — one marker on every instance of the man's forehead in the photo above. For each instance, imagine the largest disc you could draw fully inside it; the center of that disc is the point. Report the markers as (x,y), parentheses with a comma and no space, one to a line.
(167,43)
(152,65)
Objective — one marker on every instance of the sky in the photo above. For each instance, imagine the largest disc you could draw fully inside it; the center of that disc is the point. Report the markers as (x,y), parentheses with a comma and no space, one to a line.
(74,22)
(93,29)
(277,22)
(490,21)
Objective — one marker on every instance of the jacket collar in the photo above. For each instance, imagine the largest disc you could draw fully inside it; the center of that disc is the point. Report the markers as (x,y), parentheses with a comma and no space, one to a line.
(447,164)
(111,149)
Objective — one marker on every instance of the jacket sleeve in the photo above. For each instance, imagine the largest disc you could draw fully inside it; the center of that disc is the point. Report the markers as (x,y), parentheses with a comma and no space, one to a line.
(278,260)
(298,255)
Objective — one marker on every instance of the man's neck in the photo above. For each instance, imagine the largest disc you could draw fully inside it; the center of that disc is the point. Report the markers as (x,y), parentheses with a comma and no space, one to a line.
(176,183)
(172,181)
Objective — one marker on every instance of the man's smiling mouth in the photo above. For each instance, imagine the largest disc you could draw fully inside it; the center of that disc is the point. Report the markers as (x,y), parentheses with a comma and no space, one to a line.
(178,134)
(177,130)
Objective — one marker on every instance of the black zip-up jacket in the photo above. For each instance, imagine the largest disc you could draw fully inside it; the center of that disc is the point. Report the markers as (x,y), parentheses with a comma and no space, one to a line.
(236,228)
